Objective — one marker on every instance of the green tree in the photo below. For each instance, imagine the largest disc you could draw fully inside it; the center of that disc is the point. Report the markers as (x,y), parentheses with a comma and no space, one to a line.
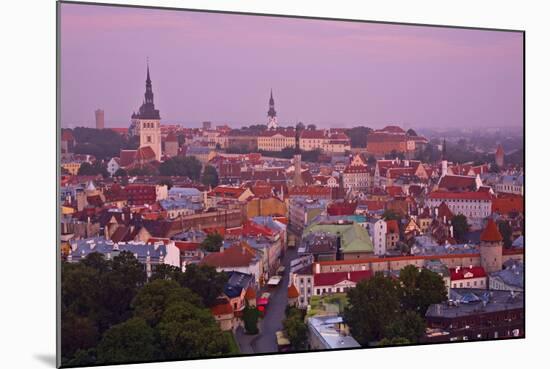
(97,168)
(181,166)
(143,170)
(130,341)
(372,305)
(420,289)
(154,298)
(391,214)
(409,326)
(188,331)
(296,328)
(121,172)
(396,341)
(506,231)
(411,132)
(78,333)
(250,318)
(213,242)
(210,176)
(460,227)
(358,136)
(311,127)
(205,281)
(166,182)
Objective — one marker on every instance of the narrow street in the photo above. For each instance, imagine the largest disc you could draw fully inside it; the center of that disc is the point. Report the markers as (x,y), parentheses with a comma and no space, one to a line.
(272,322)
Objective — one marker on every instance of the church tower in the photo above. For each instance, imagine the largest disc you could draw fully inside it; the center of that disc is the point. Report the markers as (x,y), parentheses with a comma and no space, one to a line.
(444,159)
(272,114)
(146,121)
(490,248)
(499,156)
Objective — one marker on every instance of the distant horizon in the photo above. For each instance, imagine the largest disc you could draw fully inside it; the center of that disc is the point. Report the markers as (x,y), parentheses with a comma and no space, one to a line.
(210,67)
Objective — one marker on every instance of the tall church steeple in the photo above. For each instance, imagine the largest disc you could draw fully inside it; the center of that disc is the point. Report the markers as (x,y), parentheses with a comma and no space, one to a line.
(147,109)
(271,113)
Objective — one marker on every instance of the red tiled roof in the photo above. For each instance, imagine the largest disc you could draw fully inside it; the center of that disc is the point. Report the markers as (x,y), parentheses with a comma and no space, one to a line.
(251,228)
(483,196)
(222,309)
(391,129)
(309,191)
(292,292)
(392,226)
(315,134)
(443,211)
(467,273)
(491,232)
(120,130)
(356,169)
(187,246)
(342,208)
(457,182)
(373,205)
(225,191)
(145,153)
(233,256)
(127,157)
(394,191)
(330,279)
(402,258)
(508,204)
(282,132)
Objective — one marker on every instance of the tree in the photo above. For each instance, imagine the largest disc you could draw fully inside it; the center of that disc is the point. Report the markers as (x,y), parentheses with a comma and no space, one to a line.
(97,168)
(393,342)
(213,242)
(166,182)
(411,132)
(372,305)
(250,318)
(78,333)
(181,166)
(409,326)
(120,172)
(210,176)
(153,299)
(188,331)
(205,281)
(506,231)
(391,214)
(460,227)
(130,341)
(311,127)
(371,160)
(143,170)
(300,126)
(358,136)
(295,328)
(420,289)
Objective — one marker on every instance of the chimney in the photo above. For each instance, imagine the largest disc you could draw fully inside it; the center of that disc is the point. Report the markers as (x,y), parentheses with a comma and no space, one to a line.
(317,268)
(349,275)
(457,269)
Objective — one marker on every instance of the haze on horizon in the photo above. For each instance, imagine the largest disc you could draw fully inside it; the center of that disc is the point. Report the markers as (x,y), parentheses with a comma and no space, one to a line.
(220,68)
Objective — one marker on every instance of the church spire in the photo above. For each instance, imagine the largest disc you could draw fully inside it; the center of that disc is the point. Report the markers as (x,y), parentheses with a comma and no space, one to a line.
(148,87)
(271,112)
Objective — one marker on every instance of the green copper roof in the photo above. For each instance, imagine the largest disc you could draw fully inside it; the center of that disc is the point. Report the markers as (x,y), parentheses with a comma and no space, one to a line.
(354,237)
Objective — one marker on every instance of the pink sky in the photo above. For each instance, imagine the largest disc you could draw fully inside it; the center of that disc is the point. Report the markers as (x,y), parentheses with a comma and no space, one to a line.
(220,67)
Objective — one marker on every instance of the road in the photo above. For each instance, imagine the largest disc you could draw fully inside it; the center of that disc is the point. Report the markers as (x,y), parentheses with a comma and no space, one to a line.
(272,322)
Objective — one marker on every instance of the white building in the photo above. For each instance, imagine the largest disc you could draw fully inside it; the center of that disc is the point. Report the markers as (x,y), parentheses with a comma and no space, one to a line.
(277,140)
(475,206)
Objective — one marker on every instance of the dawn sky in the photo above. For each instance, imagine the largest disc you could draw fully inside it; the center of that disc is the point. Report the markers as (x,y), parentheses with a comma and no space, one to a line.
(220,67)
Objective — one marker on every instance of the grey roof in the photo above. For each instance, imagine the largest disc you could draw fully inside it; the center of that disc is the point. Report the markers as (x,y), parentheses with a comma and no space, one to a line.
(184,192)
(467,301)
(512,275)
(81,248)
(327,329)
(518,242)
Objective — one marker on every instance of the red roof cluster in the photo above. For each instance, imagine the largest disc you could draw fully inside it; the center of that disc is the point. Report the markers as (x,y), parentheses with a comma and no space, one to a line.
(292,292)
(237,255)
(508,204)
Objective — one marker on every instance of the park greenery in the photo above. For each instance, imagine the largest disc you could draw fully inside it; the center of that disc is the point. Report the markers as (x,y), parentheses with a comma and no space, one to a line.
(383,310)
(212,243)
(111,313)
(296,328)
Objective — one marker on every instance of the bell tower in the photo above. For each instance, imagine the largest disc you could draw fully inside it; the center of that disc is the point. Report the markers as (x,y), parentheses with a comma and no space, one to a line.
(147,120)
(272,114)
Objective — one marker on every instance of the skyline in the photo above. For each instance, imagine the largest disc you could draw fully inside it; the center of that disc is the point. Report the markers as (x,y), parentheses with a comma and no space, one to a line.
(469,77)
